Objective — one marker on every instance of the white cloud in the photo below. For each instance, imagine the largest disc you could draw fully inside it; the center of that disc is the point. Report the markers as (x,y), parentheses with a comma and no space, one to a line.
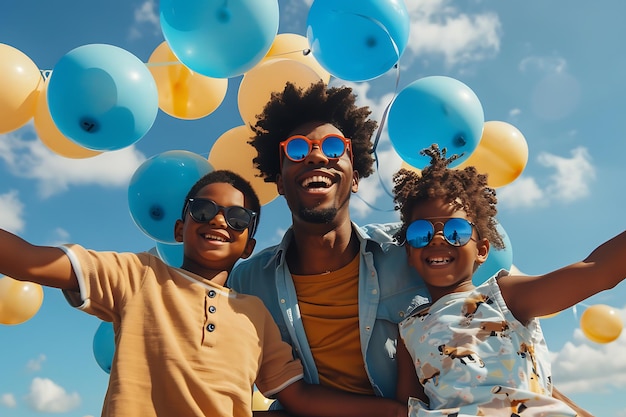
(570,181)
(34,365)
(543,65)
(572,177)
(8,400)
(11,212)
(602,370)
(61,237)
(523,192)
(439,28)
(29,158)
(48,397)
(146,14)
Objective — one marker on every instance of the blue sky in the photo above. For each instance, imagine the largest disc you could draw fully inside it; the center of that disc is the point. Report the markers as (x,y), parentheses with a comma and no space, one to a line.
(554,70)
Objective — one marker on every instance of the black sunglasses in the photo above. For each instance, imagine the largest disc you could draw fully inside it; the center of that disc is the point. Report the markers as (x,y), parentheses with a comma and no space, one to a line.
(203,210)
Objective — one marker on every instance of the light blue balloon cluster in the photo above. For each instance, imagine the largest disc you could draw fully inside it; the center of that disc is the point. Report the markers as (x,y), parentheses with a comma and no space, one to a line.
(102,97)
(358,40)
(157,191)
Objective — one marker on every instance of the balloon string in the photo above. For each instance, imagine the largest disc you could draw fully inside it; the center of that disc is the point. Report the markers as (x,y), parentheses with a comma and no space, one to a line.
(162,64)
(372,206)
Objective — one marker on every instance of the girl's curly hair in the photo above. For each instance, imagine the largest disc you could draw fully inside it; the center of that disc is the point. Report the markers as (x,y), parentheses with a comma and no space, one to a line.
(294,106)
(465,188)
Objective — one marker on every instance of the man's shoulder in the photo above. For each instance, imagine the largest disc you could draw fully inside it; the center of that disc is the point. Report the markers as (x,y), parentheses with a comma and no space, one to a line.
(258,267)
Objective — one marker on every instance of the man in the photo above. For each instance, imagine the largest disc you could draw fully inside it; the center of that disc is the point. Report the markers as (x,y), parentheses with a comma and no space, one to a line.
(337,291)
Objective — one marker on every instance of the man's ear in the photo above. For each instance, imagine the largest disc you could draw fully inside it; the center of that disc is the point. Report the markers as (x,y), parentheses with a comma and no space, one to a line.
(355,181)
(279,184)
(178,230)
(249,248)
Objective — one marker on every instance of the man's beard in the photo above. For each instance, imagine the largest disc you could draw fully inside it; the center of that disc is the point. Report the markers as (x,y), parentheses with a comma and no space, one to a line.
(319,216)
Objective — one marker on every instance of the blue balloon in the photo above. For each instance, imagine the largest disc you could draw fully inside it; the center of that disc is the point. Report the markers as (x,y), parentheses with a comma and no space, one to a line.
(171,253)
(104,346)
(157,191)
(219,39)
(498,259)
(358,40)
(435,109)
(102,97)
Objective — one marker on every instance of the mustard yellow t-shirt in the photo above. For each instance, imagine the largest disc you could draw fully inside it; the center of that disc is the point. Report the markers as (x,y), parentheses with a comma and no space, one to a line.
(329,306)
(184,346)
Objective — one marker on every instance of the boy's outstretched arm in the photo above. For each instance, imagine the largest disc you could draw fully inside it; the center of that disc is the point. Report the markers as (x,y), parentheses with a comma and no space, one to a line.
(535,296)
(44,265)
(308,400)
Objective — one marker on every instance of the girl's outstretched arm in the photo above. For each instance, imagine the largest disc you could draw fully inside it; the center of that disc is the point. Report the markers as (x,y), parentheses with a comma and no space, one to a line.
(535,296)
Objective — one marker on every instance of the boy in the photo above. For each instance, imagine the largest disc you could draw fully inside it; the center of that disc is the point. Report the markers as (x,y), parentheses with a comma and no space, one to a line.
(185,344)
(479,350)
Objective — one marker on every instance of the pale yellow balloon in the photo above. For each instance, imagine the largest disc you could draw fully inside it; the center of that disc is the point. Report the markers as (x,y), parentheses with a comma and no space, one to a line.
(601,323)
(502,153)
(259,402)
(410,167)
(231,151)
(51,136)
(19,83)
(294,46)
(19,300)
(184,94)
(258,84)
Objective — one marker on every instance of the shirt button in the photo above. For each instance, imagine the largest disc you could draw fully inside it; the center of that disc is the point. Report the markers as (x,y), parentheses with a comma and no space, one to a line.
(374,291)
(210,327)
(212,309)
(401,313)
(211,294)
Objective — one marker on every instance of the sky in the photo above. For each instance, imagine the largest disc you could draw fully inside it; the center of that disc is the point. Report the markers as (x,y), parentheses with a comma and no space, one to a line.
(553,69)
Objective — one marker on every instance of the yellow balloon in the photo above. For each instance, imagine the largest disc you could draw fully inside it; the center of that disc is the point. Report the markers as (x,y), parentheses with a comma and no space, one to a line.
(296,47)
(502,153)
(19,84)
(19,300)
(232,151)
(410,167)
(259,402)
(183,93)
(601,323)
(51,136)
(258,84)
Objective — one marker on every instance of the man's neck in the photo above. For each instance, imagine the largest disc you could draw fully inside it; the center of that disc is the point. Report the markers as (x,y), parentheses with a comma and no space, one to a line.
(320,248)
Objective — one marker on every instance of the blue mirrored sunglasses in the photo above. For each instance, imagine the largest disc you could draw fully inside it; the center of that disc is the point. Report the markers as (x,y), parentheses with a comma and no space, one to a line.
(296,148)
(456,231)
(203,210)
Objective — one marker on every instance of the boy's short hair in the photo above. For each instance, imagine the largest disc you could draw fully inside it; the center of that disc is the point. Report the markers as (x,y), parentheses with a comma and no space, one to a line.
(251,199)
(294,107)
